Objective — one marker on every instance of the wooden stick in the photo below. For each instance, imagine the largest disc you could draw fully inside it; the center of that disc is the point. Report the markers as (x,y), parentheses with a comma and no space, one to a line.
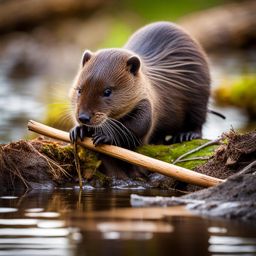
(132,157)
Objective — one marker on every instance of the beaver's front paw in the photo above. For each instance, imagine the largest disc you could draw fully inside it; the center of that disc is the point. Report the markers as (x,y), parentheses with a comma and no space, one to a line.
(78,132)
(100,138)
(184,136)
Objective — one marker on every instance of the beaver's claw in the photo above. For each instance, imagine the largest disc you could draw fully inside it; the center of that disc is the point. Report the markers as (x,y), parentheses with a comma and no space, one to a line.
(101,139)
(185,136)
(78,132)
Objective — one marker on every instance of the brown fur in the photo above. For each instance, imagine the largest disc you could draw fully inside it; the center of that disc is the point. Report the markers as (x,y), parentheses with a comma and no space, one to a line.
(159,83)
(94,76)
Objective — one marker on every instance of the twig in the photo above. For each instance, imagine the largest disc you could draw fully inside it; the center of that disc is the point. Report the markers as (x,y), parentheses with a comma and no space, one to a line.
(12,167)
(78,167)
(132,157)
(209,143)
(193,159)
(247,168)
(49,161)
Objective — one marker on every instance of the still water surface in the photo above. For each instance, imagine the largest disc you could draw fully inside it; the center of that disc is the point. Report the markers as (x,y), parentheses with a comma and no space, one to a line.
(101,222)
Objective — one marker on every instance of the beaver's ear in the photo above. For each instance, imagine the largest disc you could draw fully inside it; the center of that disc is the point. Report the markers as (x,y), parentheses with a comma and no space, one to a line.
(86,56)
(133,64)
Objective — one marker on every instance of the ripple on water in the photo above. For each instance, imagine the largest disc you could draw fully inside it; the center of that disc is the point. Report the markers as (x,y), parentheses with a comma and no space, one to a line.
(217,230)
(34,232)
(8,197)
(36,246)
(51,224)
(7,209)
(18,222)
(231,245)
(42,214)
(34,209)
(132,230)
(33,222)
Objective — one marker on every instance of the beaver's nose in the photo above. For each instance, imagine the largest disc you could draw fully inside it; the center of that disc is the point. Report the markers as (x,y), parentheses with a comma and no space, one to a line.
(84,118)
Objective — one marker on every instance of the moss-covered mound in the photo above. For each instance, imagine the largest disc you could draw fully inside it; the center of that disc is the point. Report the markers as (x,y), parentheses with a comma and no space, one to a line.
(44,163)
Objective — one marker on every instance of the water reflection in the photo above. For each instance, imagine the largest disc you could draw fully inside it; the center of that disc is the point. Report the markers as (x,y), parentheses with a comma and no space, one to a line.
(34,232)
(36,246)
(217,230)
(7,209)
(8,197)
(229,245)
(43,214)
(51,224)
(132,230)
(101,222)
(34,210)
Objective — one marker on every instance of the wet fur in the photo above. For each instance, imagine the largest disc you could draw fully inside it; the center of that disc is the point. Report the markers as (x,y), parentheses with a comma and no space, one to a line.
(178,70)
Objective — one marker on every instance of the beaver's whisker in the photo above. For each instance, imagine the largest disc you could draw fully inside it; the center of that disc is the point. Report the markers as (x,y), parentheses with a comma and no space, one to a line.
(128,134)
(113,133)
(122,134)
(133,138)
(107,127)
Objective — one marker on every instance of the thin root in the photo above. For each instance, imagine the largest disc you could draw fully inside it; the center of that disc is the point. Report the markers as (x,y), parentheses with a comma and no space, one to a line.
(78,167)
(209,143)
(194,158)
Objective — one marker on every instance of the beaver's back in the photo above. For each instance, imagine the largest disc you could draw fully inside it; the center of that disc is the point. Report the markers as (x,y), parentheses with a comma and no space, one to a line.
(178,70)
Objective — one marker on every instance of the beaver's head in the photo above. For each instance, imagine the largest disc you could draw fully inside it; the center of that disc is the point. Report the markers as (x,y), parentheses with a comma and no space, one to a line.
(106,86)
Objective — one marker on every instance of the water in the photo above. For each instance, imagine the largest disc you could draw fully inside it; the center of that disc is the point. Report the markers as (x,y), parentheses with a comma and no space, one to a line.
(101,222)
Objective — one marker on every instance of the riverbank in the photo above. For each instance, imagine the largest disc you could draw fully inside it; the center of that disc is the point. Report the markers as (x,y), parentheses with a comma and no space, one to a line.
(44,164)
(235,198)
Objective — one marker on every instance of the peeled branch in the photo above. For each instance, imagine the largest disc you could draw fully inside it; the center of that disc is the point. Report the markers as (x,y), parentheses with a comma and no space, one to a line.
(149,163)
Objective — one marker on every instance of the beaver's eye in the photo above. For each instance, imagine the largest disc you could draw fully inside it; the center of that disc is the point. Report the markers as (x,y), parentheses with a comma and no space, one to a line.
(107,92)
(79,91)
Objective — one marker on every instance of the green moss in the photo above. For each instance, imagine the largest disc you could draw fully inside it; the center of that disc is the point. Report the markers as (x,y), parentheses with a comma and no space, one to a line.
(172,152)
(239,92)
(57,152)
(63,155)
(89,162)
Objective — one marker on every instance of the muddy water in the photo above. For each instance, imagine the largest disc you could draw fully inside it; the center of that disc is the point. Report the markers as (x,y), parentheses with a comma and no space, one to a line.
(100,222)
